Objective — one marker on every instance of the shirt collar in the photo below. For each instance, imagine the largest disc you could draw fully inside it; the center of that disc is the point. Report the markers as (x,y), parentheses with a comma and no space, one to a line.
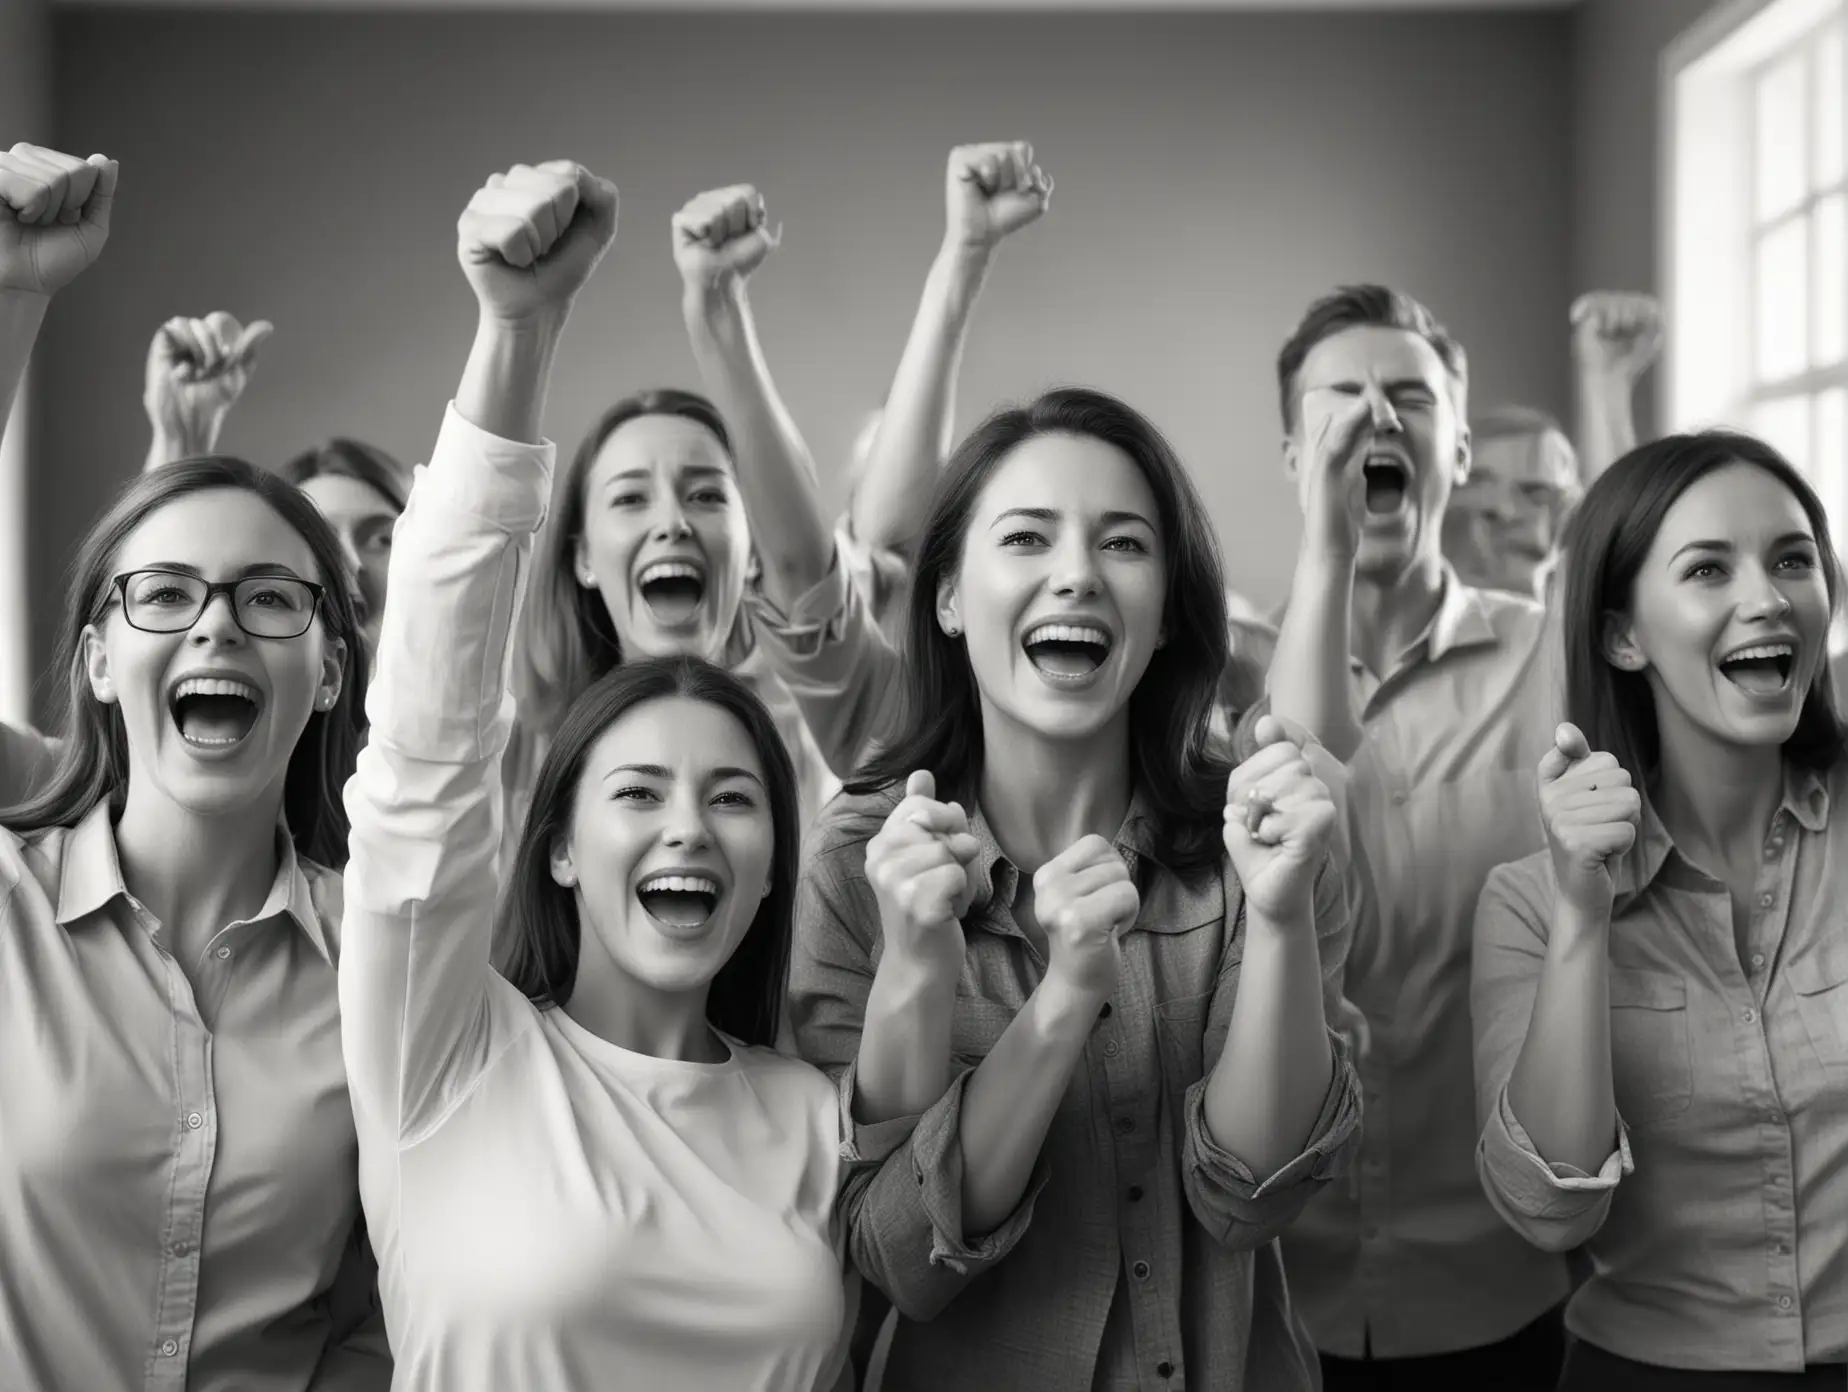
(1805,801)
(91,879)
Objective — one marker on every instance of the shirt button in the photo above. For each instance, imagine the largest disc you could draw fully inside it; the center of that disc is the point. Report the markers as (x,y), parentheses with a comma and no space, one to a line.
(1783,1302)
(1778,1249)
(1141,1270)
(1125,1125)
(1751,1016)
(194,1121)
(1765,901)
(224,954)
(1135,1193)
(169,1348)
(181,1248)
(1398,799)
(1165,1368)
(1111,1050)
(1758,961)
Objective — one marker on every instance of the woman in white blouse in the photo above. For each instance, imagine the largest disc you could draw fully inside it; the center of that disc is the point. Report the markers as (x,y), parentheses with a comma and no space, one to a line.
(1660,998)
(597,1173)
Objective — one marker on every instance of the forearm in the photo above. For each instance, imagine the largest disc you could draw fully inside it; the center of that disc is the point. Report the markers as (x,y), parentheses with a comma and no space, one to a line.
(918,427)
(1561,1090)
(21,316)
(776,476)
(1269,1086)
(503,385)
(1606,423)
(903,1065)
(1309,671)
(171,443)
(1010,1102)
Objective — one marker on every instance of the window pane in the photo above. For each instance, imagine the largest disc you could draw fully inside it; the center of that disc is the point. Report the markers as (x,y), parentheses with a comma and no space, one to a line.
(1785,424)
(1782,150)
(1829,303)
(1829,116)
(1830,465)
(1782,322)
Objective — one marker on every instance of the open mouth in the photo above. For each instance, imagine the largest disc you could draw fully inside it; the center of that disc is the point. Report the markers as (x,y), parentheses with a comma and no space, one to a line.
(1763,670)
(1387,481)
(681,901)
(672,590)
(1067,652)
(214,712)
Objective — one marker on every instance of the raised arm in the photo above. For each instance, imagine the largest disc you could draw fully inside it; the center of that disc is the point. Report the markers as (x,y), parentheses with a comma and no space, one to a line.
(1309,667)
(991,191)
(197,369)
(54,221)
(1540,1000)
(1615,338)
(425,803)
(720,238)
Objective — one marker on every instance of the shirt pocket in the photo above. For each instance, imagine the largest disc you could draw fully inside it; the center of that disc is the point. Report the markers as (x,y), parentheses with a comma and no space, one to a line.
(1180,1029)
(1651,1066)
(976,1026)
(1820,981)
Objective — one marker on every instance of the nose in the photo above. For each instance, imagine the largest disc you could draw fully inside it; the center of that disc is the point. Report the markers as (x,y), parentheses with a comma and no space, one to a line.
(1760,599)
(1074,574)
(670,523)
(1379,406)
(217,623)
(686,828)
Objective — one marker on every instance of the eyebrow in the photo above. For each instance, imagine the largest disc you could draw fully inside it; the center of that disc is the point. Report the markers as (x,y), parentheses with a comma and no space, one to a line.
(719,775)
(1397,384)
(276,568)
(691,470)
(1716,544)
(1109,519)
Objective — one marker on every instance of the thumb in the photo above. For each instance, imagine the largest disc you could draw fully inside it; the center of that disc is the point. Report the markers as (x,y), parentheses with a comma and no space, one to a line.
(1272,729)
(250,340)
(101,202)
(1569,746)
(922,784)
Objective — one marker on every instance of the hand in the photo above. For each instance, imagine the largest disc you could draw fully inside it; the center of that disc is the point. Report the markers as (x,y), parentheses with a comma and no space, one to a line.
(54,217)
(1591,813)
(530,238)
(918,866)
(992,191)
(1085,899)
(721,237)
(1616,335)
(1329,481)
(197,370)
(1279,822)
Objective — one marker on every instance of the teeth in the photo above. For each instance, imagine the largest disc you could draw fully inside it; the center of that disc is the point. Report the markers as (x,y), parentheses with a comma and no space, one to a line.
(683,884)
(1763,650)
(216,686)
(669,570)
(1067,633)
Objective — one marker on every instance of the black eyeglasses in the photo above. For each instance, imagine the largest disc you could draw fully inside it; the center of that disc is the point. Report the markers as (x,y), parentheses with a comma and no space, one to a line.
(265,606)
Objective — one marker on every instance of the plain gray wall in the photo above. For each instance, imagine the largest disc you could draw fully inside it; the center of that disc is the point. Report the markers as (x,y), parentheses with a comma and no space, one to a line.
(1214,172)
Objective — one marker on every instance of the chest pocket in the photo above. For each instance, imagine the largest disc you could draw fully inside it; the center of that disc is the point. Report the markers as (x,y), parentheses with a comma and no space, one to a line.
(1820,981)
(1650,1062)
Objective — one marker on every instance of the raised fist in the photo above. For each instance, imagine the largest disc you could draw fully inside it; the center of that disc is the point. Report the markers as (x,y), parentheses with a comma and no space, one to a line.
(993,190)
(1084,900)
(1591,813)
(918,866)
(1616,334)
(721,237)
(1279,822)
(197,369)
(54,217)
(530,238)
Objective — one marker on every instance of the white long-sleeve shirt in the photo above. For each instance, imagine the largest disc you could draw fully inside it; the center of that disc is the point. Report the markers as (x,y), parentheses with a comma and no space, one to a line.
(549,1211)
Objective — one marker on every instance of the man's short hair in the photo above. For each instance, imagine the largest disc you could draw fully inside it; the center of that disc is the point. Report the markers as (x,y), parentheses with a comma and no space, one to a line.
(1362,306)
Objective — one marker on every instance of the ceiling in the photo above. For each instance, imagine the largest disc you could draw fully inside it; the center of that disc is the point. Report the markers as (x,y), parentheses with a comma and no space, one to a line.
(843,5)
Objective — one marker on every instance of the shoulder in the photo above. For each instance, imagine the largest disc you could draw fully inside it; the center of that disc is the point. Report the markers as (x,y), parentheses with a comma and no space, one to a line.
(1518,620)
(848,822)
(1523,888)
(788,1076)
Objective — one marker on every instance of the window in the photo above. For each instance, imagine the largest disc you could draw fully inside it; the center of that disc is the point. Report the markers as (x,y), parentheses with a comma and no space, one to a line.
(1756,232)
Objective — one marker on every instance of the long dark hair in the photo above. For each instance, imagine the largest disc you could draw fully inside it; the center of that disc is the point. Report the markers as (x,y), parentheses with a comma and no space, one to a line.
(93,763)
(1606,543)
(538,919)
(1181,777)
(567,640)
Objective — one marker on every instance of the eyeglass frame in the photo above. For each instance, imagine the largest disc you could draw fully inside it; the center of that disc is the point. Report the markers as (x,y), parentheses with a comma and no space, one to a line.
(317,595)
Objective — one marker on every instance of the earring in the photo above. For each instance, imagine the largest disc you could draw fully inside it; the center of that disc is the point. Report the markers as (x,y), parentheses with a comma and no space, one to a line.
(951,629)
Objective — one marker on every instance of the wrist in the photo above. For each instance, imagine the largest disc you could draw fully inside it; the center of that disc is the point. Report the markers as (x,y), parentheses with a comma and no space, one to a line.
(1578,926)
(908,976)
(711,306)
(541,328)
(1061,1006)
(964,260)
(1325,563)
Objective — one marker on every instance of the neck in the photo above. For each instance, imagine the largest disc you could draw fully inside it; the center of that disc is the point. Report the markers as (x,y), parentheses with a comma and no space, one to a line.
(1391,610)
(620,1010)
(196,874)
(1716,799)
(1041,795)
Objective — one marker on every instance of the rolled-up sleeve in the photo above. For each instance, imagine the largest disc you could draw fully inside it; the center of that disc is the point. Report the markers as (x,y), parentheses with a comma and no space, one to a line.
(1233,1205)
(901,1191)
(1555,1207)
(839,667)
(425,800)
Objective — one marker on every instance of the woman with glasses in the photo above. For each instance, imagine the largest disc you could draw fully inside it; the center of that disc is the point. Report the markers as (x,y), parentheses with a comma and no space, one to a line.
(179,1200)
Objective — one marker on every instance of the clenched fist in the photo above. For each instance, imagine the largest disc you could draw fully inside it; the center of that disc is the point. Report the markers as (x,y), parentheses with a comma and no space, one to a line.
(720,237)
(992,191)
(54,217)
(197,370)
(1279,821)
(1084,900)
(918,866)
(1616,335)
(530,238)
(1591,813)
(1330,478)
